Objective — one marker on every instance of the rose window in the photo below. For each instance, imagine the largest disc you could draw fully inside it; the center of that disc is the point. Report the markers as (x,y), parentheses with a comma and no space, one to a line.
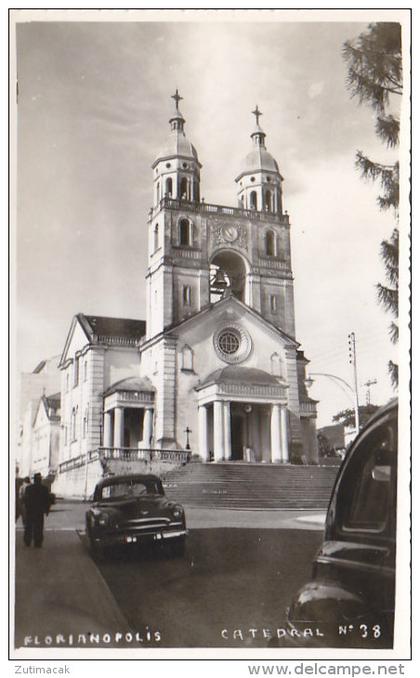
(229,342)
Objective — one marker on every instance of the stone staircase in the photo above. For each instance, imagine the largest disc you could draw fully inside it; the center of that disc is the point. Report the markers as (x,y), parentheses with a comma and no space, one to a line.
(251,486)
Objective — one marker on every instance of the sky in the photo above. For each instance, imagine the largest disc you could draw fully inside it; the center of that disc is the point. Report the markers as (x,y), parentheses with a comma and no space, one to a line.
(93,109)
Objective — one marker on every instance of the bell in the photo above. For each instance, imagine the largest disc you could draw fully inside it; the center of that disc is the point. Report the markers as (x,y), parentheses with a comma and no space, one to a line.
(219,281)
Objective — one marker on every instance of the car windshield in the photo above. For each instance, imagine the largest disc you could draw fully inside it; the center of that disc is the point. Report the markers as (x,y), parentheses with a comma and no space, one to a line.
(129,488)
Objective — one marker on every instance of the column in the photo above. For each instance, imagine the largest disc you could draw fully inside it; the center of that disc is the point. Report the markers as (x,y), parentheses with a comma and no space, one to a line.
(275,434)
(147,427)
(227,434)
(203,443)
(118,427)
(107,429)
(284,434)
(218,430)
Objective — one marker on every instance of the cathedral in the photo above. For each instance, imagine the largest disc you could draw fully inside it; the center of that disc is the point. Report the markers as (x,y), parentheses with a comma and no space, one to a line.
(215,368)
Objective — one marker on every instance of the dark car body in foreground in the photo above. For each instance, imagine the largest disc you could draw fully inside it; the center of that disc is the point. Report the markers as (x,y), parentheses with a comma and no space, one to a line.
(350,599)
(133,510)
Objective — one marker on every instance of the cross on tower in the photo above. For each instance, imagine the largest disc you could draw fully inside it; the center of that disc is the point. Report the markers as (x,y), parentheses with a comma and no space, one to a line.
(257,113)
(177,98)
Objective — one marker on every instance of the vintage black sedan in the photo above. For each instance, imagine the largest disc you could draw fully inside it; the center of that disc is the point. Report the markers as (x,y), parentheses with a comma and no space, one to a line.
(350,600)
(133,510)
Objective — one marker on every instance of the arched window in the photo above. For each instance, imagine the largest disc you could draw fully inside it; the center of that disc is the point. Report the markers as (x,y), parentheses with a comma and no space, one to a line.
(277,366)
(186,295)
(253,200)
(273,303)
(267,201)
(168,187)
(183,189)
(157,191)
(187,358)
(184,232)
(156,237)
(270,244)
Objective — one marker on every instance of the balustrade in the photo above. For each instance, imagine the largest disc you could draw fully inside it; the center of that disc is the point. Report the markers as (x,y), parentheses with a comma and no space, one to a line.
(175,203)
(126,454)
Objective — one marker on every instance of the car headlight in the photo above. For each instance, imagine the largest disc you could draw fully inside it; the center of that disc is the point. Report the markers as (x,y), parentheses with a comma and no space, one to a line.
(103,519)
(177,511)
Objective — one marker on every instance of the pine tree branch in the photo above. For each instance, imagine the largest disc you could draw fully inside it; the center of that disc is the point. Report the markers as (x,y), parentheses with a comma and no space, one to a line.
(388,297)
(394,332)
(393,373)
(388,129)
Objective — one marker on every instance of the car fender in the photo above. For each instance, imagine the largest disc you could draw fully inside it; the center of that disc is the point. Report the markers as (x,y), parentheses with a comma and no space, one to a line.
(324,600)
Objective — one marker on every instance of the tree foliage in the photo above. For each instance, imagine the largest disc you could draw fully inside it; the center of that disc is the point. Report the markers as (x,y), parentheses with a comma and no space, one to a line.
(374,76)
(346,417)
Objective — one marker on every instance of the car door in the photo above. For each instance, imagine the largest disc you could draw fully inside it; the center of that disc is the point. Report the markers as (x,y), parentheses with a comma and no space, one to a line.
(359,548)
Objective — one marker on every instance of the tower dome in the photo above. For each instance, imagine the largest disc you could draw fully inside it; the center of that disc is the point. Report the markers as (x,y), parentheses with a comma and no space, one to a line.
(259,182)
(177,168)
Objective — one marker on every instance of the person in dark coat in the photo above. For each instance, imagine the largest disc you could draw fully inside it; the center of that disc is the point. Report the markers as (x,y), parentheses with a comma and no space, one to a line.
(37,503)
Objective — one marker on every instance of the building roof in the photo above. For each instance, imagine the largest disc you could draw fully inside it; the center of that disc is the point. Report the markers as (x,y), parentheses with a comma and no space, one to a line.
(177,144)
(234,374)
(47,365)
(230,299)
(102,326)
(259,159)
(132,384)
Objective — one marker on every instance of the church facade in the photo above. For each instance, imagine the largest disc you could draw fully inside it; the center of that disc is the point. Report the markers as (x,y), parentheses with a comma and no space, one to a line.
(216,367)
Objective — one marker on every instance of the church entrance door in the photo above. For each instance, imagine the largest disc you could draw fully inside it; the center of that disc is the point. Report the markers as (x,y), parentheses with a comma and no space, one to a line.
(238,431)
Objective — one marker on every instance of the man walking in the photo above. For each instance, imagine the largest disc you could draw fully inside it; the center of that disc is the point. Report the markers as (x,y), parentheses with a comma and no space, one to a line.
(37,502)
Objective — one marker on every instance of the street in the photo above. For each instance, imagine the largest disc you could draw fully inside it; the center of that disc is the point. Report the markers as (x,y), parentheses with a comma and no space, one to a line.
(231,589)
(230,581)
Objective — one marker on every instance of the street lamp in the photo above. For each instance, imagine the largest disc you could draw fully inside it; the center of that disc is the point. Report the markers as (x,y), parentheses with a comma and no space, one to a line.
(338,380)
(188,431)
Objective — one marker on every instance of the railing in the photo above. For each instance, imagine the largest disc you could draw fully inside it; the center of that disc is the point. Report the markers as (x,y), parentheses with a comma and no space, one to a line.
(116,341)
(188,252)
(77,462)
(308,408)
(175,203)
(246,389)
(272,262)
(125,454)
(143,454)
(136,396)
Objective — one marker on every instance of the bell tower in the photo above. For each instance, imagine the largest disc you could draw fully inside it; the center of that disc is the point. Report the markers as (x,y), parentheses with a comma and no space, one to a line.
(260,182)
(176,170)
(177,277)
(269,288)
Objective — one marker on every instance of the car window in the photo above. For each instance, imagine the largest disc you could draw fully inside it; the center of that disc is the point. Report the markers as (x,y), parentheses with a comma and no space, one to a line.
(129,489)
(367,496)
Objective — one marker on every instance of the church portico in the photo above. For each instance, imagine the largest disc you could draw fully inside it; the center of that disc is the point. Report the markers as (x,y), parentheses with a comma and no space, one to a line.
(128,414)
(242,416)
(243,432)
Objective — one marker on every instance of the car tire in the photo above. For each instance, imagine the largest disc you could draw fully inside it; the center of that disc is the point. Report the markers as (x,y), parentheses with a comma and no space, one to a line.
(97,549)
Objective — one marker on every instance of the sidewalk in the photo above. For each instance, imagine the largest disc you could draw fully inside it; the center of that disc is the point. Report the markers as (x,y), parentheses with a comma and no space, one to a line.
(60,591)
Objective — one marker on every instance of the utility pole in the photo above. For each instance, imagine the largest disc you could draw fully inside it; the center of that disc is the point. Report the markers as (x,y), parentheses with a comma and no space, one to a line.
(368,384)
(353,361)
